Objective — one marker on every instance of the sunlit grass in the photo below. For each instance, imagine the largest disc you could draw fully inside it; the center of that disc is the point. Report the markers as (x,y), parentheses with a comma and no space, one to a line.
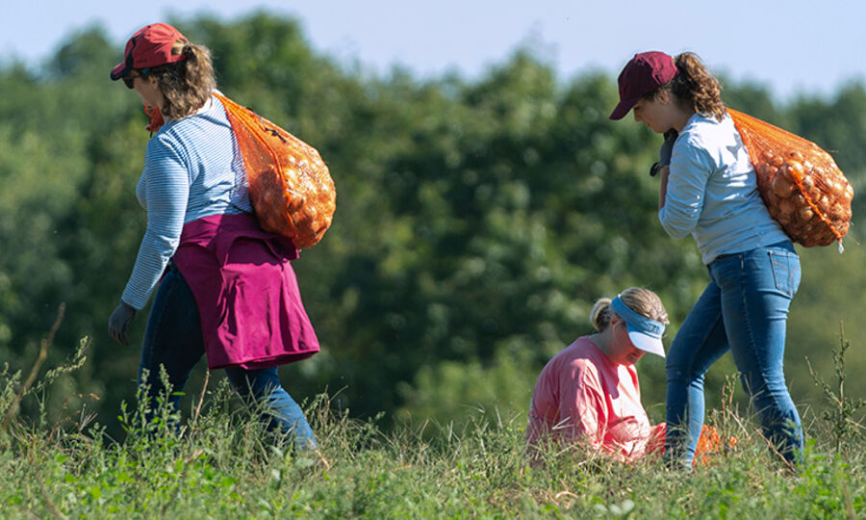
(218,462)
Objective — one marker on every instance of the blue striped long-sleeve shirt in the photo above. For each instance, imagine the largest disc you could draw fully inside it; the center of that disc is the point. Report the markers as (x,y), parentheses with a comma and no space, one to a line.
(192,169)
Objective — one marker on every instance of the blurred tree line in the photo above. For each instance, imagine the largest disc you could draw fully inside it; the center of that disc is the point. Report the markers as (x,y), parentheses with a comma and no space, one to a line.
(477,222)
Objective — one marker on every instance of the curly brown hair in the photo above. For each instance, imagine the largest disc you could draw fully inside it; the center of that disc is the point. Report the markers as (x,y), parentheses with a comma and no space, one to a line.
(694,86)
(185,85)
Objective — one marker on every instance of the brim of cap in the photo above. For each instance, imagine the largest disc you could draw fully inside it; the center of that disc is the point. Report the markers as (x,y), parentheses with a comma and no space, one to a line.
(646,343)
(120,70)
(622,108)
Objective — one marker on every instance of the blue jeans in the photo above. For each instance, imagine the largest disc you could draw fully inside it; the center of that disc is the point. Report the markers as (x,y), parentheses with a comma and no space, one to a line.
(745,309)
(173,339)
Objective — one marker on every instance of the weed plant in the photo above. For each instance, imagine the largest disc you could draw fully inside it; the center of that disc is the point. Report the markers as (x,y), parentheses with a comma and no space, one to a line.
(842,411)
(219,462)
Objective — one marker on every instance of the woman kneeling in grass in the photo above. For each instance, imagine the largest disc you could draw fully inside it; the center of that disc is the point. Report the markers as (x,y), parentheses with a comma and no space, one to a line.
(589,392)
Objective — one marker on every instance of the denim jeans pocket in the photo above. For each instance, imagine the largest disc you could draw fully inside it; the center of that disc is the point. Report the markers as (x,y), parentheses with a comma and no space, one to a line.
(786,271)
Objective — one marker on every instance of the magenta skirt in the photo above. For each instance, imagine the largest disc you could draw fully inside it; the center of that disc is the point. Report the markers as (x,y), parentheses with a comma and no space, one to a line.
(251,311)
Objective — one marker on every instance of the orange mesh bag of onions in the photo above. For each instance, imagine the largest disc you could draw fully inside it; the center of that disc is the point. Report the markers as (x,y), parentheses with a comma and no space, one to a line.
(710,444)
(290,186)
(800,183)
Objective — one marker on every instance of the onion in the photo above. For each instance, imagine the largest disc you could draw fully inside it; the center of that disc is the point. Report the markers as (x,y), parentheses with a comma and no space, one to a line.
(843,229)
(795,169)
(781,187)
(824,205)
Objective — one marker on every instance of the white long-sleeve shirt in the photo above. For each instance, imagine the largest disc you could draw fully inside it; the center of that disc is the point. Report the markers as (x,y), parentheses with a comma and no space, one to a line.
(712,192)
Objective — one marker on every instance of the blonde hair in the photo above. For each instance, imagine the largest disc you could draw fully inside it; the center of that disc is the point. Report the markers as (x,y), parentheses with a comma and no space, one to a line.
(694,86)
(186,85)
(642,301)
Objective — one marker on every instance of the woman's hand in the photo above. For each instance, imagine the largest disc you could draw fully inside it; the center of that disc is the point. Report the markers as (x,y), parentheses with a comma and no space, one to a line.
(663,167)
(667,149)
(665,152)
(118,323)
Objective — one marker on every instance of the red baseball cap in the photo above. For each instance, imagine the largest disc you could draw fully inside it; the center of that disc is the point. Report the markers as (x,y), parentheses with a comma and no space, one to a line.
(149,47)
(645,72)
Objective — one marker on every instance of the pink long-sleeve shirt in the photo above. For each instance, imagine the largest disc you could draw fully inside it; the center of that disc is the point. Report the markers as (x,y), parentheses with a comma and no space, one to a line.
(581,396)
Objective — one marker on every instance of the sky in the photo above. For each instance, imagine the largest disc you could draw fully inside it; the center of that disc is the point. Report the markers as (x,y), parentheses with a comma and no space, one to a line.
(793,47)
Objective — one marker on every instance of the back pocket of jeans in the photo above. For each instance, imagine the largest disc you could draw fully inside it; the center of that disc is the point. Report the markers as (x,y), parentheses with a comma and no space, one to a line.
(786,271)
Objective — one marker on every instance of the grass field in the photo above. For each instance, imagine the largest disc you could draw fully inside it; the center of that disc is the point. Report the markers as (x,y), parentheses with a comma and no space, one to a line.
(221,464)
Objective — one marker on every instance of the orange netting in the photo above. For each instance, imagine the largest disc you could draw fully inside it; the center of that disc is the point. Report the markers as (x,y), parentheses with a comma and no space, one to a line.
(800,183)
(709,444)
(156,119)
(290,186)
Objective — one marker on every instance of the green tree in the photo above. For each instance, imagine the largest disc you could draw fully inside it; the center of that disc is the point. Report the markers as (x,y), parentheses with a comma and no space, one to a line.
(477,221)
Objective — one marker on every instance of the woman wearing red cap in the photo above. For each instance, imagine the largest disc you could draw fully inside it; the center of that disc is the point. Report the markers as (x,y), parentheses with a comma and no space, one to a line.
(226,288)
(709,190)
(589,392)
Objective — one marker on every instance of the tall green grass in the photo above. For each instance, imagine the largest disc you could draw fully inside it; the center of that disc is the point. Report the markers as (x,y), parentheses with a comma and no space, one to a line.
(218,462)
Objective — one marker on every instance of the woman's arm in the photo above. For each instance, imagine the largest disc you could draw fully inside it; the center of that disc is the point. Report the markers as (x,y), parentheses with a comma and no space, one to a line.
(582,410)
(167,197)
(683,188)
(664,171)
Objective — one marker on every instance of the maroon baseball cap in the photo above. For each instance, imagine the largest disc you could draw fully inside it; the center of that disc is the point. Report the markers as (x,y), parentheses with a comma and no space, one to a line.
(149,47)
(645,72)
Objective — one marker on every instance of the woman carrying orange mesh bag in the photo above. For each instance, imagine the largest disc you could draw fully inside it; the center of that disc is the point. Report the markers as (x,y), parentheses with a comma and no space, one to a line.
(225,288)
(709,189)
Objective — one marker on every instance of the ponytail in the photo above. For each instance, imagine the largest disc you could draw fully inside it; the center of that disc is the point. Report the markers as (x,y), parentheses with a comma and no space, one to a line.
(599,316)
(696,87)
